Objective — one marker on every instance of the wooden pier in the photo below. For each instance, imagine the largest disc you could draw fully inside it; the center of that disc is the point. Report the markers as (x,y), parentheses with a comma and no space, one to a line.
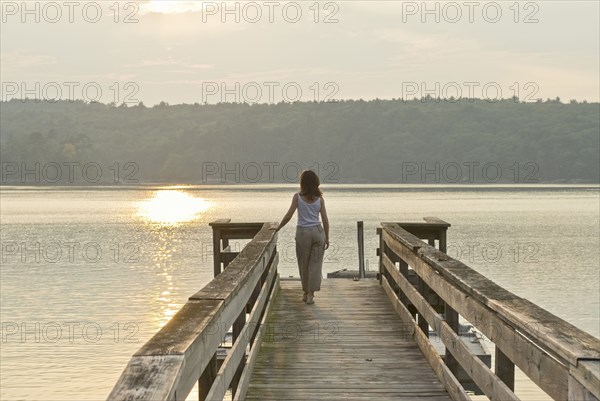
(361,340)
(338,349)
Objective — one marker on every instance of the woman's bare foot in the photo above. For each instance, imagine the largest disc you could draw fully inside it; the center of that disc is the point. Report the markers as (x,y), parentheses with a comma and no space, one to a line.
(310,298)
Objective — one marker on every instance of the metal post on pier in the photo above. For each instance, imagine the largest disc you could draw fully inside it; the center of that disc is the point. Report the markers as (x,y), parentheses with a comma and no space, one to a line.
(361,250)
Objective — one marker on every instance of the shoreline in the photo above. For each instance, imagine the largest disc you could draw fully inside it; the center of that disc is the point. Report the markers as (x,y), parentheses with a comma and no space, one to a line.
(369,186)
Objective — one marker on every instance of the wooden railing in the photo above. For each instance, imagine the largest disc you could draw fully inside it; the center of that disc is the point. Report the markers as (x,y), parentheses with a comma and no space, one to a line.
(561,359)
(184,351)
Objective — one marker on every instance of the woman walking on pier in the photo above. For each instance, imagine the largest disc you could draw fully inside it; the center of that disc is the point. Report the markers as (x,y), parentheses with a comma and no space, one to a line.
(312,238)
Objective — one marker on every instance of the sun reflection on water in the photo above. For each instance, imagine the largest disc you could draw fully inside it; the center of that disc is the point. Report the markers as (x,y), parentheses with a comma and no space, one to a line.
(166,212)
(172,207)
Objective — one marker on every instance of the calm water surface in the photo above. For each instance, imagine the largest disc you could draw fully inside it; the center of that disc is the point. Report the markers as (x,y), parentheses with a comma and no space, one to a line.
(88,275)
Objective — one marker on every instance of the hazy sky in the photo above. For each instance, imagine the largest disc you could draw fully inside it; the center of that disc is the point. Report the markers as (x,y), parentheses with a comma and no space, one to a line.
(186,52)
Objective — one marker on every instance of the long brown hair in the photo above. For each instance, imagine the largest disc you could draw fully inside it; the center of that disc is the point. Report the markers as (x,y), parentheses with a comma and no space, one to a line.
(309,185)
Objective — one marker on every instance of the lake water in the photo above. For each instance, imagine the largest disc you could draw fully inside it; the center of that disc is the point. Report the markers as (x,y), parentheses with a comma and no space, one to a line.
(88,275)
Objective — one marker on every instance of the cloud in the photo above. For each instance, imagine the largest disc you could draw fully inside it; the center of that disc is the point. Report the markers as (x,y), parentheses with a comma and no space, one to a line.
(370,52)
(21,60)
(169,62)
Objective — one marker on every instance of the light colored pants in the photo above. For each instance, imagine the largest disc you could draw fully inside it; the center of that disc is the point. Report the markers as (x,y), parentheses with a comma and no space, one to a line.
(310,247)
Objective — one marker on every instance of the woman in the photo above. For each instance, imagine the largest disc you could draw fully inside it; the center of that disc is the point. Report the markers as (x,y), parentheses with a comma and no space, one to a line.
(312,238)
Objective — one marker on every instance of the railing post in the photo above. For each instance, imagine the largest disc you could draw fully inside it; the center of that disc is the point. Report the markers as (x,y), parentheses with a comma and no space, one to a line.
(423,325)
(217,251)
(584,379)
(423,290)
(207,378)
(217,244)
(404,271)
(361,251)
(442,240)
(505,369)
(238,326)
(381,252)
(451,316)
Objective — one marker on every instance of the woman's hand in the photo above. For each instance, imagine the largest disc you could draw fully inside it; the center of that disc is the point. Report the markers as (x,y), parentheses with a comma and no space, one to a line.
(326,243)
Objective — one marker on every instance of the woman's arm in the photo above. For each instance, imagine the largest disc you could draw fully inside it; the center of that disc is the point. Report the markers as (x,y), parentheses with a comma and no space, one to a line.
(325,222)
(289,213)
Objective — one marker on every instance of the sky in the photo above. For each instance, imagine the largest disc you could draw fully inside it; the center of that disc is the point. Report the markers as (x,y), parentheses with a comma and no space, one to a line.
(271,51)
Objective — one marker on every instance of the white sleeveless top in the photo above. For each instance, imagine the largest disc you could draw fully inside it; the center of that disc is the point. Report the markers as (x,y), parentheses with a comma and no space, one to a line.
(308,213)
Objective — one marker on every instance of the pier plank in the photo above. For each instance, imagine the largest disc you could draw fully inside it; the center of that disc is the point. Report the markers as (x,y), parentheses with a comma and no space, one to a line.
(349,345)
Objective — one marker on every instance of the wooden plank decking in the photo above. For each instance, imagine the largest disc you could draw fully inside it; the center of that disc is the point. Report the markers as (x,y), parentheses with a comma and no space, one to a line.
(349,345)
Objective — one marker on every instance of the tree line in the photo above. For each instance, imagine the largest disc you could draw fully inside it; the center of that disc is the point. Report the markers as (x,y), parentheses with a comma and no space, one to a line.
(352,141)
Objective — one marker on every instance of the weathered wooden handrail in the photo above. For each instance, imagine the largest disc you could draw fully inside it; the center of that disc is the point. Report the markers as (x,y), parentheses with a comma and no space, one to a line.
(184,351)
(561,359)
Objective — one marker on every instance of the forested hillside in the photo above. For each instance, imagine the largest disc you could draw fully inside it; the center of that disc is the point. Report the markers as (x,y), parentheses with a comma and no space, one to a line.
(376,141)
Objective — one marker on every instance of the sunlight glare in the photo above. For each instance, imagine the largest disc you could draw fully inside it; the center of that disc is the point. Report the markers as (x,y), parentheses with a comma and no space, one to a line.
(171,6)
(172,207)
